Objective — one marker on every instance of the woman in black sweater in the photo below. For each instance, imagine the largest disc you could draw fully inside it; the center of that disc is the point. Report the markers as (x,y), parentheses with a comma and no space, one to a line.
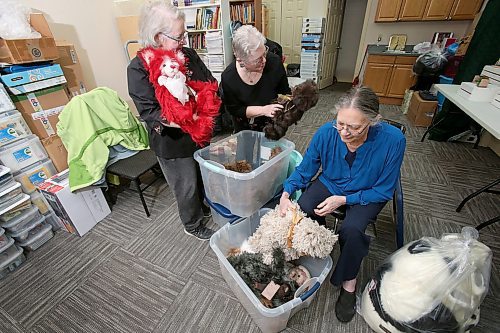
(162,26)
(252,81)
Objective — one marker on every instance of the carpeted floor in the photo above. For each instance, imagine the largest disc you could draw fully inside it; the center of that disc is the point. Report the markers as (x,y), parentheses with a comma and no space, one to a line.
(137,274)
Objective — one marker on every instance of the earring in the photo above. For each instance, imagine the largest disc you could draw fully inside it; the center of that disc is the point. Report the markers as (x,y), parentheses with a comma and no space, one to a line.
(242,65)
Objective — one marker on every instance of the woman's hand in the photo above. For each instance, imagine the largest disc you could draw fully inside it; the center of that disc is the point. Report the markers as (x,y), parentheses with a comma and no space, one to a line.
(269,110)
(329,205)
(285,203)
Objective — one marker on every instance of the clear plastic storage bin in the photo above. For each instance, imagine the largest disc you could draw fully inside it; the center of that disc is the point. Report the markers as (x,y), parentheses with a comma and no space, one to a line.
(39,200)
(35,174)
(9,191)
(244,193)
(5,101)
(22,153)
(29,230)
(20,221)
(52,219)
(12,127)
(268,320)
(14,206)
(11,257)
(5,176)
(4,239)
(36,241)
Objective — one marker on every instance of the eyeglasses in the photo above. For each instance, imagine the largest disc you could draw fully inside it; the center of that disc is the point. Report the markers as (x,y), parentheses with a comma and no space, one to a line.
(180,39)
(259,60)
(350,129)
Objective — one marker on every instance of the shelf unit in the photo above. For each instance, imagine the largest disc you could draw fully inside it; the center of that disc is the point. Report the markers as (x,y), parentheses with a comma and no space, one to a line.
(202,14)
(247,11)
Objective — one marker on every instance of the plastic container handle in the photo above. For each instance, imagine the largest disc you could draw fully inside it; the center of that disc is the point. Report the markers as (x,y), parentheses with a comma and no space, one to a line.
(310,292)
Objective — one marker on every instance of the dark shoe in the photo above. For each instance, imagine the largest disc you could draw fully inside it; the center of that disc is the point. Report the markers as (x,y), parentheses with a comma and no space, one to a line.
(202,233)
(345,308)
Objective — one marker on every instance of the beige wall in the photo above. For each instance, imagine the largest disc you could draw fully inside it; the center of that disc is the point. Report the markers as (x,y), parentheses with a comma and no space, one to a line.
(90,25)
(416,31)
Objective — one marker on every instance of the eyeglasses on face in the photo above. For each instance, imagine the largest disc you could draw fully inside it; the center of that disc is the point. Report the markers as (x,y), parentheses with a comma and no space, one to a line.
(259,60)
(350,129)
(179,39)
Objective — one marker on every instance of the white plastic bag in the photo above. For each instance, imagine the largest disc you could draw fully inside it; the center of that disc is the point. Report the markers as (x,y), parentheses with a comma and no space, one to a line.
(14,21)
(429,285)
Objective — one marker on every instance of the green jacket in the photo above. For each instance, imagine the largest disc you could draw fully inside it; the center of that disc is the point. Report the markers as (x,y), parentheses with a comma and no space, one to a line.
(88,125)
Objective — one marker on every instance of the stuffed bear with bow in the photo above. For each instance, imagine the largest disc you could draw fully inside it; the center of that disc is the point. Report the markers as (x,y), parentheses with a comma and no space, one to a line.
(193,105)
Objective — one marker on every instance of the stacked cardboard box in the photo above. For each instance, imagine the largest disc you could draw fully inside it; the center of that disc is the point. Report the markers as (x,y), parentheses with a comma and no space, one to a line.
(70,64)
(312,41)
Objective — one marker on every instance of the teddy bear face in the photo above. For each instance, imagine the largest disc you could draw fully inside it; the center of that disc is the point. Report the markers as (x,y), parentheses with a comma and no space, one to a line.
(169,67)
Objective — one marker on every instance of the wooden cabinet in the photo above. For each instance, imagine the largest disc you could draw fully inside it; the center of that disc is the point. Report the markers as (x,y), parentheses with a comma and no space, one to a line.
(437,10)
(388,10)
(389,76)
(412,10)
(465,9)
(426,10)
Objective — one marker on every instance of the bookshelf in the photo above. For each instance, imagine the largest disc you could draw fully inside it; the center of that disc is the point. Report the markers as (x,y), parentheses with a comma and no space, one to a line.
(247,11)
(208,27)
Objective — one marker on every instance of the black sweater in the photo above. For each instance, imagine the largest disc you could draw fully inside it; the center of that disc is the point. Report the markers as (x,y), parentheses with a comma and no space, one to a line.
(237,95)
(166,142)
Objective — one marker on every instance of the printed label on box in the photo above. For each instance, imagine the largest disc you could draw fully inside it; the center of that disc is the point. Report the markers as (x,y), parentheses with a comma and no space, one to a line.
(22,155)
(43,117)
(47,113)
(8,134)
(38,177)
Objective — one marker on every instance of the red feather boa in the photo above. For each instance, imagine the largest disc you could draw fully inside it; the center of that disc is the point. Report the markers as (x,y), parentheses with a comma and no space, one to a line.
(205,106)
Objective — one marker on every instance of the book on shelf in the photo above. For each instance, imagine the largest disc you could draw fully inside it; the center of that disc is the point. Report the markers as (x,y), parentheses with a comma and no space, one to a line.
(187,3)
(243,12)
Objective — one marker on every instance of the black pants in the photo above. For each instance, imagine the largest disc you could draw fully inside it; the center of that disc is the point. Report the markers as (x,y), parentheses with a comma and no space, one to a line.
(184,179)
(354,243)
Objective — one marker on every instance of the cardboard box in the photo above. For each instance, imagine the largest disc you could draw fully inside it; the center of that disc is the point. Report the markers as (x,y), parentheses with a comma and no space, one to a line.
(79,211)
(464,45)
(41,109)
(56,151)
(33,78)
(420,111)
(471,92)
(70,63)
(19,51)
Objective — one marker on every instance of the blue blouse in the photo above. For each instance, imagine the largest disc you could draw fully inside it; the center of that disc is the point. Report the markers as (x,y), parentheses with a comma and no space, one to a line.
(374,172)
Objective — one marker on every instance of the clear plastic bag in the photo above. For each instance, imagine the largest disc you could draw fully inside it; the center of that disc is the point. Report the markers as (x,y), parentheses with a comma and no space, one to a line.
(429,285)
(430,62)
(14,21)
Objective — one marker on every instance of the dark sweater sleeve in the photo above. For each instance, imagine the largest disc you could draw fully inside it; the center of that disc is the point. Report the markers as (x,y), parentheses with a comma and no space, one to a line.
(142,93)
(200,70)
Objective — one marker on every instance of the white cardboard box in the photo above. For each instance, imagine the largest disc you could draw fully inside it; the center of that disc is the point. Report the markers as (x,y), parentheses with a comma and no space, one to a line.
(472,92)
(493,73)
(79,211)
(496,101)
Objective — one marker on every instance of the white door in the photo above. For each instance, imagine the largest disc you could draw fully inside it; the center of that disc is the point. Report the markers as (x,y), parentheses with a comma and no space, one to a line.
(274,19)
(331,46)
(292,12)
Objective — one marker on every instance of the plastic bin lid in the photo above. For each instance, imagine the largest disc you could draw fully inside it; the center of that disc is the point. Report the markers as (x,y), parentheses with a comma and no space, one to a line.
(11,186)
(20,199)
(2,232)
(11,258)
(6,246)
(15,220)
(36,237)
(4,170)
(29,227)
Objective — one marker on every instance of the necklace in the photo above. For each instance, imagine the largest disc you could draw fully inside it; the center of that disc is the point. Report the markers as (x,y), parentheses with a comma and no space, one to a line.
(251,76)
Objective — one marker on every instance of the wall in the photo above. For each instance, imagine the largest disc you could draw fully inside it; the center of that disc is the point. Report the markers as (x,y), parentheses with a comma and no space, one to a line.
(352,27)
(416,31)
(91,26)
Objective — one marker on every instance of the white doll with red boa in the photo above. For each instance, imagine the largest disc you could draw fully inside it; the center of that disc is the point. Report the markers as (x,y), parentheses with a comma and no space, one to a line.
(190,104)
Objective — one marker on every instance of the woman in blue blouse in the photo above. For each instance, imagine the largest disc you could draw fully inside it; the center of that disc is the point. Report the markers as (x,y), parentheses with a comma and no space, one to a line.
(360,158)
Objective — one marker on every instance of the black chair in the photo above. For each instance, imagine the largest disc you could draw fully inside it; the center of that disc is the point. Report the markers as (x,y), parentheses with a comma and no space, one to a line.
(132,168)
(397,203)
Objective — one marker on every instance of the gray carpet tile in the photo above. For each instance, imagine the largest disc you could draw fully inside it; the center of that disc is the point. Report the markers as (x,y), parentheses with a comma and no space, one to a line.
(165,244)
(126,294)
(201,309)
(136,274)
(50,275)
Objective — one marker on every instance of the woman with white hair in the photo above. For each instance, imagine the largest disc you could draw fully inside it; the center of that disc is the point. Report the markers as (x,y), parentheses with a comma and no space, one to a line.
(252,81)
(360,158)
(162,25)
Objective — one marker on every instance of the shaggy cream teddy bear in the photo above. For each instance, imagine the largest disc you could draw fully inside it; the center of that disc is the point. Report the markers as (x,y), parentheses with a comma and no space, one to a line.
(296,234)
